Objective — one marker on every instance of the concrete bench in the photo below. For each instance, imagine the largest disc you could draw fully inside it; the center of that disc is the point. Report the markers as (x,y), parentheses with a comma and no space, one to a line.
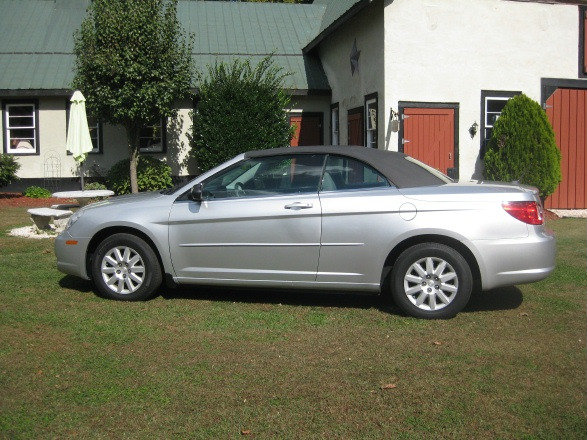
(65,206)
(42,217)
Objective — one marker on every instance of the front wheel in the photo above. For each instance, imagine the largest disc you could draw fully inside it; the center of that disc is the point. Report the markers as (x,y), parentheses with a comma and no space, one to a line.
(431,281)
(126,268)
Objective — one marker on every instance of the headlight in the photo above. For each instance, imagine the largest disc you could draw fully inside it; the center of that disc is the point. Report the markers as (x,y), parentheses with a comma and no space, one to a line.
(74,218)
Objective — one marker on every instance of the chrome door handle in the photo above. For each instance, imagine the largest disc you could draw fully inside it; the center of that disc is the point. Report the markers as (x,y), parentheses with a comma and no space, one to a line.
(298,205)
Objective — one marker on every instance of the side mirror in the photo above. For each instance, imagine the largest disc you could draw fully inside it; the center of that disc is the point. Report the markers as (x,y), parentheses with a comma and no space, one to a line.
(196,193)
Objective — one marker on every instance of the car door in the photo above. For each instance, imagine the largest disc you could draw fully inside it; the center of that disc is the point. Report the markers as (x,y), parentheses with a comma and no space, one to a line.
(360,217)
(260,223)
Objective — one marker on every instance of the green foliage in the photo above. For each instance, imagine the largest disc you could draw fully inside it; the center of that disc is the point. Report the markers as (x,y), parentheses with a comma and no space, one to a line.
(241,108)
(152,175)
(36,192)
(94,185)
(133,61)
(523,147)
(8,169)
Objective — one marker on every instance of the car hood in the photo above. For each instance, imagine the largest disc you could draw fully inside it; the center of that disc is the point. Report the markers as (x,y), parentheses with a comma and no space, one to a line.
(126,203)
(128,200)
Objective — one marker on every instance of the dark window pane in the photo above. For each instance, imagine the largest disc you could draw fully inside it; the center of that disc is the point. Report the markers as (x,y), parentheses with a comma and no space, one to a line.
(343,173)
(496,105)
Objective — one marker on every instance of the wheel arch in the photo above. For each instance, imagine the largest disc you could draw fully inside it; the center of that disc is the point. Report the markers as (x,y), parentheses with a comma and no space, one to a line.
(106,232)
(457,245)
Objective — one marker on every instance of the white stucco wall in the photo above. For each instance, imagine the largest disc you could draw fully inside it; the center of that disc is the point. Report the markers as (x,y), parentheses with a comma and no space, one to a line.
(51,141)
(449,51)
(349,90)
(52,122)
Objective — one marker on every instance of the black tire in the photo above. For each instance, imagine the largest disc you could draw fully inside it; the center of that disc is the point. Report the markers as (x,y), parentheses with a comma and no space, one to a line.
(126,268)
(431,281)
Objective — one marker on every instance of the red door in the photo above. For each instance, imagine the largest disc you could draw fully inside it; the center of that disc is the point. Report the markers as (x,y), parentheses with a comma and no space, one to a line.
(429,136)
(355,127)
(307,131)
(567,111)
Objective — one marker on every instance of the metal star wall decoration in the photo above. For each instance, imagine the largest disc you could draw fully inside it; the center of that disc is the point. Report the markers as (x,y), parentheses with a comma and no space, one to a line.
(355,54)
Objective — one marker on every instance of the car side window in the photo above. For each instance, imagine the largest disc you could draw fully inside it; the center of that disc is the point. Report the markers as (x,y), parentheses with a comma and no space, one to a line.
(267,176)
(343,173)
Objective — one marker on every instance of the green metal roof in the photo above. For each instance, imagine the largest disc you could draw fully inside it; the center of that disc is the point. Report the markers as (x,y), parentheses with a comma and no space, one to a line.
(225,31)
(36,43)
(36,39)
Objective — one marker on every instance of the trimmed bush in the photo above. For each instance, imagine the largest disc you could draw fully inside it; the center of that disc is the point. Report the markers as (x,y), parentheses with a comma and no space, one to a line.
(241,108)
(523,147)
(152,175)
(36,192)
(94,185)
(8,169)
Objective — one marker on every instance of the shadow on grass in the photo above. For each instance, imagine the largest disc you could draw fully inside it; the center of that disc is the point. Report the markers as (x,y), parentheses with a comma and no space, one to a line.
(74,283)
(504,298)
(276,296)
(507,298)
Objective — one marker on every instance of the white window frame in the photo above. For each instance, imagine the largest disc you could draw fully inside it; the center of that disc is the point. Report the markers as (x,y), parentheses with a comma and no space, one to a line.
(334,125)
(9,137)
(488,125)
(371,123)
(95,135)
(486,128)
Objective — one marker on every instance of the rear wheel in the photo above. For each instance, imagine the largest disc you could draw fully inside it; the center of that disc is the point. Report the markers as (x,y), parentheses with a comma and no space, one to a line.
(432,281)
(126,268)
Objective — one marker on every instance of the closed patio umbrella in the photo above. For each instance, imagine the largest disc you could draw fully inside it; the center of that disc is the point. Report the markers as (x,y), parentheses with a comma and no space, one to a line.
(79,142)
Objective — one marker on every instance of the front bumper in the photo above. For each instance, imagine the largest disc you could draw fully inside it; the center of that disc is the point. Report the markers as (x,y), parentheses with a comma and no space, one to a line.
(71,255)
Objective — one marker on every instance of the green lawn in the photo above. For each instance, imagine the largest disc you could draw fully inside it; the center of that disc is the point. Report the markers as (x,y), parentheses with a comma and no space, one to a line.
(201,363)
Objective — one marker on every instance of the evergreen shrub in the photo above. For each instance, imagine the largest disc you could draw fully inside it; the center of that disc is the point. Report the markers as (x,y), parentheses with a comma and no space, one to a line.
(241,108)
(36,192)
(523,147)
(94,186)
(152,175)
(8,169)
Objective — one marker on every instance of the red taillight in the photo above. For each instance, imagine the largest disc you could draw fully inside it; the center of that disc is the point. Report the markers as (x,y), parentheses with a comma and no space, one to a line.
(527,212)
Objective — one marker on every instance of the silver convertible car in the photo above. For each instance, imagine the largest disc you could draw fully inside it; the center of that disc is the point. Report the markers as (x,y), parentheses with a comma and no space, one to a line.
(329,218)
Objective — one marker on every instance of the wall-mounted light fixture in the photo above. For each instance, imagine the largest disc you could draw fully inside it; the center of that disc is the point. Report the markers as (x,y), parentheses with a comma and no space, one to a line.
(473,129)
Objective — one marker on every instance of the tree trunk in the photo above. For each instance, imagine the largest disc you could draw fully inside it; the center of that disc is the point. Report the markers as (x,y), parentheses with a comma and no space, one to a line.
(132,133)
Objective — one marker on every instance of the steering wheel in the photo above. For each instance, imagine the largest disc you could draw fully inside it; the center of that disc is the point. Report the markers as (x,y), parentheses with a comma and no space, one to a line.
(239,189)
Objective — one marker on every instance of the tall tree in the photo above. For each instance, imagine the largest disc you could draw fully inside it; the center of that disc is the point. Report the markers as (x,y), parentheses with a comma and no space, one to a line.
(133,61)
(241,107)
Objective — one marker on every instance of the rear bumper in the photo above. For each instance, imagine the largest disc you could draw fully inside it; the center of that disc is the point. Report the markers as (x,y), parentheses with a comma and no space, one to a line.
(71,258)
(510,262)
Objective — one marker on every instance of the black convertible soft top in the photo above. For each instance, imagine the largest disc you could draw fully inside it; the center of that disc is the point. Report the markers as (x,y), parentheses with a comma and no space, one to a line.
(400,169)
